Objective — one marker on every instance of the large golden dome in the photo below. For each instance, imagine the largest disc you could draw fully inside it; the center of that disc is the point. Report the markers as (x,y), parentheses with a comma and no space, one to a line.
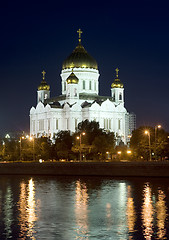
(79,58)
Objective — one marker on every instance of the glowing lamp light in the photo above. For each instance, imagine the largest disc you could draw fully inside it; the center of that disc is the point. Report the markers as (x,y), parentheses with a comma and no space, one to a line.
(7,136)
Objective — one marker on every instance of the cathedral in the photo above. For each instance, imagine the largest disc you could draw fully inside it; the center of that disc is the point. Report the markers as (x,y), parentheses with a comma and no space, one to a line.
(80,100)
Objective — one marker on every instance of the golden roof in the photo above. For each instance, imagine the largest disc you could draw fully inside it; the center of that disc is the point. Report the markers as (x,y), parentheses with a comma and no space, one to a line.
(117,83)
(79,58)
(72,79)
(43,85)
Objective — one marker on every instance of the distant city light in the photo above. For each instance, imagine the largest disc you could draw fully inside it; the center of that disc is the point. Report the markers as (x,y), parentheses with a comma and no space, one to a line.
(7,136)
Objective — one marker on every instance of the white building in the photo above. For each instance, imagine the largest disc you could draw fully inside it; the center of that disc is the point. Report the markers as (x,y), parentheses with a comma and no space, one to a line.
(80,100)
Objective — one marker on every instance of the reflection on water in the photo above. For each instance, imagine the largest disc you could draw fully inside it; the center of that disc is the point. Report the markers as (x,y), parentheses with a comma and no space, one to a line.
(161,210)
(131,212)
(83,209)
(8,212)
(147,212)
(26,207)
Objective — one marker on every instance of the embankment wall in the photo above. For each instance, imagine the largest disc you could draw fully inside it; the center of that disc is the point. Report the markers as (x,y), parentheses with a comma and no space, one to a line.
(115,169)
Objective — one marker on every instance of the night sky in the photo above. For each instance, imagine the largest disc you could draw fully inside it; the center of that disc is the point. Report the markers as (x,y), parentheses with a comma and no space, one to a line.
(39,36)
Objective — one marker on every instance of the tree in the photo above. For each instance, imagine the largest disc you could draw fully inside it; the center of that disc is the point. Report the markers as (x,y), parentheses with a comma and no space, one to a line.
(96,141)
(91,129)
(158,144)
(104,143)
(42,148)
(63,145)
(10,149)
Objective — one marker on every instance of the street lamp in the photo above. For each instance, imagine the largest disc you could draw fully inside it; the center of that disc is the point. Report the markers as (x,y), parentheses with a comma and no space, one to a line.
(80,142)
(32,139)
(20,140)
(148,133)
(155,152)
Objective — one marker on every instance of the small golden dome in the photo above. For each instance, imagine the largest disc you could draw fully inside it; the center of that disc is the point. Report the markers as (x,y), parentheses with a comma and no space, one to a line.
(43,85)
(117,83)
(79,58)
(72,79)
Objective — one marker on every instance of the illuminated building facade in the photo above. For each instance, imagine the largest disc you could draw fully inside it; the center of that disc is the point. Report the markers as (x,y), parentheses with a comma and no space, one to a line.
(80,100)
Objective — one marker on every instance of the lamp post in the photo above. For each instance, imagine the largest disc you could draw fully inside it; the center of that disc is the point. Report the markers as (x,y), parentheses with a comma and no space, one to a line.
(155,152)
(119,154)
(32,139)
(20,140)
(148,133)
(80,142)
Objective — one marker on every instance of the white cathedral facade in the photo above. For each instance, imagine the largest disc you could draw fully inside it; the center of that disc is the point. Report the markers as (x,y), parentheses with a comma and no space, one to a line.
(80,100)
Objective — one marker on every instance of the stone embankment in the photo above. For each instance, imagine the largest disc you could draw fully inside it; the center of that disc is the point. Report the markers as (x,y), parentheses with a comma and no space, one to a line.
(114,169)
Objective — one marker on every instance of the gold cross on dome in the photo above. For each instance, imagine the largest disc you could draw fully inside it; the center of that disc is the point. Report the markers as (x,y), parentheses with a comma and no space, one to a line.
(117,72)
(80,33)
(43,73)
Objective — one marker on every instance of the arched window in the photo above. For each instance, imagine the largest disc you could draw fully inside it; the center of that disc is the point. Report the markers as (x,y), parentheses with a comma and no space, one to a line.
(56,123)
(83,84)
(75,124)
(90,85)
(120,96)
(119,124)
(95,86)
(75,92)
(68,93)
(113,98)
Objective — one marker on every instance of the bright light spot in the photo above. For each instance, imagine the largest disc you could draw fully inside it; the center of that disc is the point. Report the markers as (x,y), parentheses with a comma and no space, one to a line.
(7,136)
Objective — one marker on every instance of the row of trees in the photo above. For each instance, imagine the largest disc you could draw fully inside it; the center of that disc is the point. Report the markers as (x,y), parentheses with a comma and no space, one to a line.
(93,145)
(96,144)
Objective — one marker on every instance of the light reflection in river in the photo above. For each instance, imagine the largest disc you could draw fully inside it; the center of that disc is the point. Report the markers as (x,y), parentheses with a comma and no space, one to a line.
(161,210)
(131,212)
(147,212)
(81,210)
(8,212)
(26,206)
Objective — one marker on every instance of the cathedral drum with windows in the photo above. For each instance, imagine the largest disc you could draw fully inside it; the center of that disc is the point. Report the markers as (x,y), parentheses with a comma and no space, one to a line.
(80,100)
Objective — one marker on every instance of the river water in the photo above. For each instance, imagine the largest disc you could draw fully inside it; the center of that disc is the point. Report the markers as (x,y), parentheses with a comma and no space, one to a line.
(68,208)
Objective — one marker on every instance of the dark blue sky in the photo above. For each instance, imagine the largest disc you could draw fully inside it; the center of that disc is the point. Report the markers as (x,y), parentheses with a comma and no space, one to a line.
(129,35)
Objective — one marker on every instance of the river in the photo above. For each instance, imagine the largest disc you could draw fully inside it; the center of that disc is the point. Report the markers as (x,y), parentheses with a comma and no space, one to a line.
(68,208)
